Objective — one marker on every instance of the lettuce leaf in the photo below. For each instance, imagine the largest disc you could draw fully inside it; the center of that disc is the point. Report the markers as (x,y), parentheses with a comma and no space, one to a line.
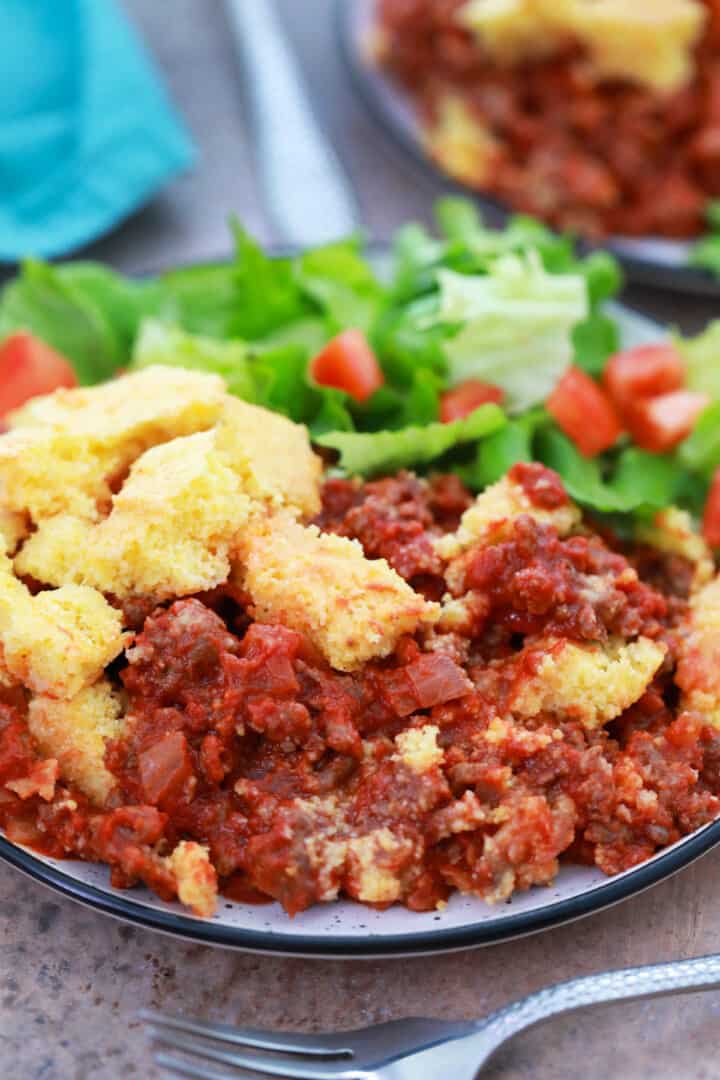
(339,280)
(706,252)
(367,454)
(515,325)
(499,452)
(702,359)
(273,376)
(700,452)
(595,339)
(639,481)
(266,291)
(159,343)
(86,311)
(204,298)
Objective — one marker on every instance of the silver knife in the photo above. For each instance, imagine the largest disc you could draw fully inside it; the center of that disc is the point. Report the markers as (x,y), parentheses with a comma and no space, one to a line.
(307,195)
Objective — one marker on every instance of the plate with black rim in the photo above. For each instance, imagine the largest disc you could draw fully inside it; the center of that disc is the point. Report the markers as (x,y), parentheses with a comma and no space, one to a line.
(348,929)
(647,260)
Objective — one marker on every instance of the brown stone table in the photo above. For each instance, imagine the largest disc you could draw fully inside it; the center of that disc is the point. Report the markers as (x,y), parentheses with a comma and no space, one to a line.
(71,980)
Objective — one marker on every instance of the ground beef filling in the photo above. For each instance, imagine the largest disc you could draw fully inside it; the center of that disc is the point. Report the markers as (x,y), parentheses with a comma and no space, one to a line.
(408,779)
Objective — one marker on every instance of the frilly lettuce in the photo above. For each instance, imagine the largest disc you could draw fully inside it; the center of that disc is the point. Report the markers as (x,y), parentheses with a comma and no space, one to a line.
(368,454)
(515,326)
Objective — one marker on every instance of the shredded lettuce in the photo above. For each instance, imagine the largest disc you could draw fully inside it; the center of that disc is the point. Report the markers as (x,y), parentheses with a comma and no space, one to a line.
(366,454)
(515,326)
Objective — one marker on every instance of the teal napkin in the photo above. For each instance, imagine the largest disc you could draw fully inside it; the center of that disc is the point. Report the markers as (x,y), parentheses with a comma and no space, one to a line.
(87,132)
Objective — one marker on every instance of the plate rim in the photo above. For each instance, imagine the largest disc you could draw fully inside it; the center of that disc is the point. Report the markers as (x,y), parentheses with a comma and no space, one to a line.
(374,946)
(641,271)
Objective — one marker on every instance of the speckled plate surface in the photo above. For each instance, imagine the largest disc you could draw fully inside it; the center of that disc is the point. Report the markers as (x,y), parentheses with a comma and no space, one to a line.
(347,929)
(650,261)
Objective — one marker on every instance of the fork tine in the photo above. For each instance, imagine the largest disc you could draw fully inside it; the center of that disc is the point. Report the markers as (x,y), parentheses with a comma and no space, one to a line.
(264,1062)
(185,1068)
(280,1043)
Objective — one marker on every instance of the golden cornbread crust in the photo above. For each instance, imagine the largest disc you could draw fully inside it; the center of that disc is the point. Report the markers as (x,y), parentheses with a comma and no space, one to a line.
(352,608)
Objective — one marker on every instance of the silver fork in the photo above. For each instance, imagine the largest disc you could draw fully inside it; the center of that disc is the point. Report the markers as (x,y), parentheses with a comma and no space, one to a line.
(406,1049)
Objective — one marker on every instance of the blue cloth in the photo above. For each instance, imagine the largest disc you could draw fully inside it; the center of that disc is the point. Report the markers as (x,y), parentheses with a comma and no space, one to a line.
(87,132)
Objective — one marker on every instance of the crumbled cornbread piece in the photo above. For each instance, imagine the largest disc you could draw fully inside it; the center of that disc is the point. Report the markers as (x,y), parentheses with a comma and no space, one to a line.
(170,531)
(460,142)
(590,683)
(272,456)
(491,517)
(13,529)
(672,531)
(352,608)
(58,641)
(157,403)
(373,866)
(66,449)
(698,670)
(195,876)
(75,732)
(418,749)
(6,679)
(650,42)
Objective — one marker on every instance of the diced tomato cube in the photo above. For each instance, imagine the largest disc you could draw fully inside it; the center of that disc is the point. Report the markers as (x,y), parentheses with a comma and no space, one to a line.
(28,368)
(642,372)
(348,363)
(660,423)
(459,402)
(711,516)
(584,412)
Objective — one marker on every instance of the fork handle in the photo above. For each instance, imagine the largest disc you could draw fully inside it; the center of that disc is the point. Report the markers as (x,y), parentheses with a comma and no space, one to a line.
(306,192)
(629,984)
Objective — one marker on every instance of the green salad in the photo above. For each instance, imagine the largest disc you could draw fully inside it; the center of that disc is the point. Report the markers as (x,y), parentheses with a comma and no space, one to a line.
(488,348)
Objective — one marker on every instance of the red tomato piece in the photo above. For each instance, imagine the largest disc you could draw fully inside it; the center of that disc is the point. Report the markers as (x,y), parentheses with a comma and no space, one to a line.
(28,368)
(164,767)
(660,423)
(711,516)
(642,372)
(584,412)
(459,402)
(348,363)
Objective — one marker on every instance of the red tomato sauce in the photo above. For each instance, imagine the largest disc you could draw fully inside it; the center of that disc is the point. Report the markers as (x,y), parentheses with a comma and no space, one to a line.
(242,738)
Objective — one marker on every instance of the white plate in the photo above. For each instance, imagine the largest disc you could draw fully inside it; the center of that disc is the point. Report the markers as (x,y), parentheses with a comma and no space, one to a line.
(349,929)
(650,260)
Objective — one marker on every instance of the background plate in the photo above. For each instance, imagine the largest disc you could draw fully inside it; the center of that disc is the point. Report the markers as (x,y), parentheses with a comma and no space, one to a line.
(648,261)
(347,929)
